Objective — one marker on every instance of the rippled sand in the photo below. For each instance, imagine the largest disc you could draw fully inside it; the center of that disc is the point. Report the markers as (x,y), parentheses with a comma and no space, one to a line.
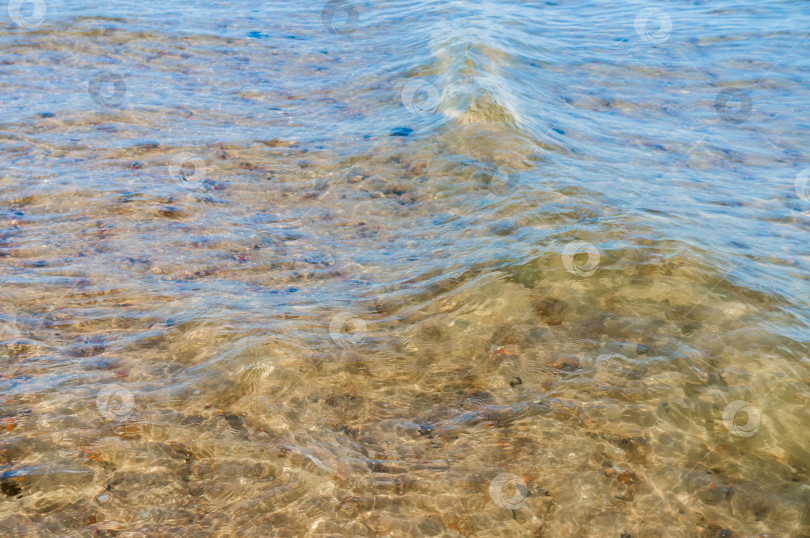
(490,269)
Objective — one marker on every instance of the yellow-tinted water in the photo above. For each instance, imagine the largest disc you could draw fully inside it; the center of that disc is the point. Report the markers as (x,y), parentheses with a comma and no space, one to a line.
(461,270)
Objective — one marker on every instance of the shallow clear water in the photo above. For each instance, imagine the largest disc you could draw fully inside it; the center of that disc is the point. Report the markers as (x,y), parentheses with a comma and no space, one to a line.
(444,268)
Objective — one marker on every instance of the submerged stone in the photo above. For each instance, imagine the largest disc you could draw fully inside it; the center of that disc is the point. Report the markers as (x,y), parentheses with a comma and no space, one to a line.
(401,131)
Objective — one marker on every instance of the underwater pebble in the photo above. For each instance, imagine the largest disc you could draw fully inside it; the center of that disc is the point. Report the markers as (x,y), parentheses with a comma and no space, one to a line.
(552,311)
(401,131)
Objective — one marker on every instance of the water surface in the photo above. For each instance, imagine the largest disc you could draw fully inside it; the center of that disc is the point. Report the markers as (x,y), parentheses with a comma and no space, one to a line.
(405,268)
